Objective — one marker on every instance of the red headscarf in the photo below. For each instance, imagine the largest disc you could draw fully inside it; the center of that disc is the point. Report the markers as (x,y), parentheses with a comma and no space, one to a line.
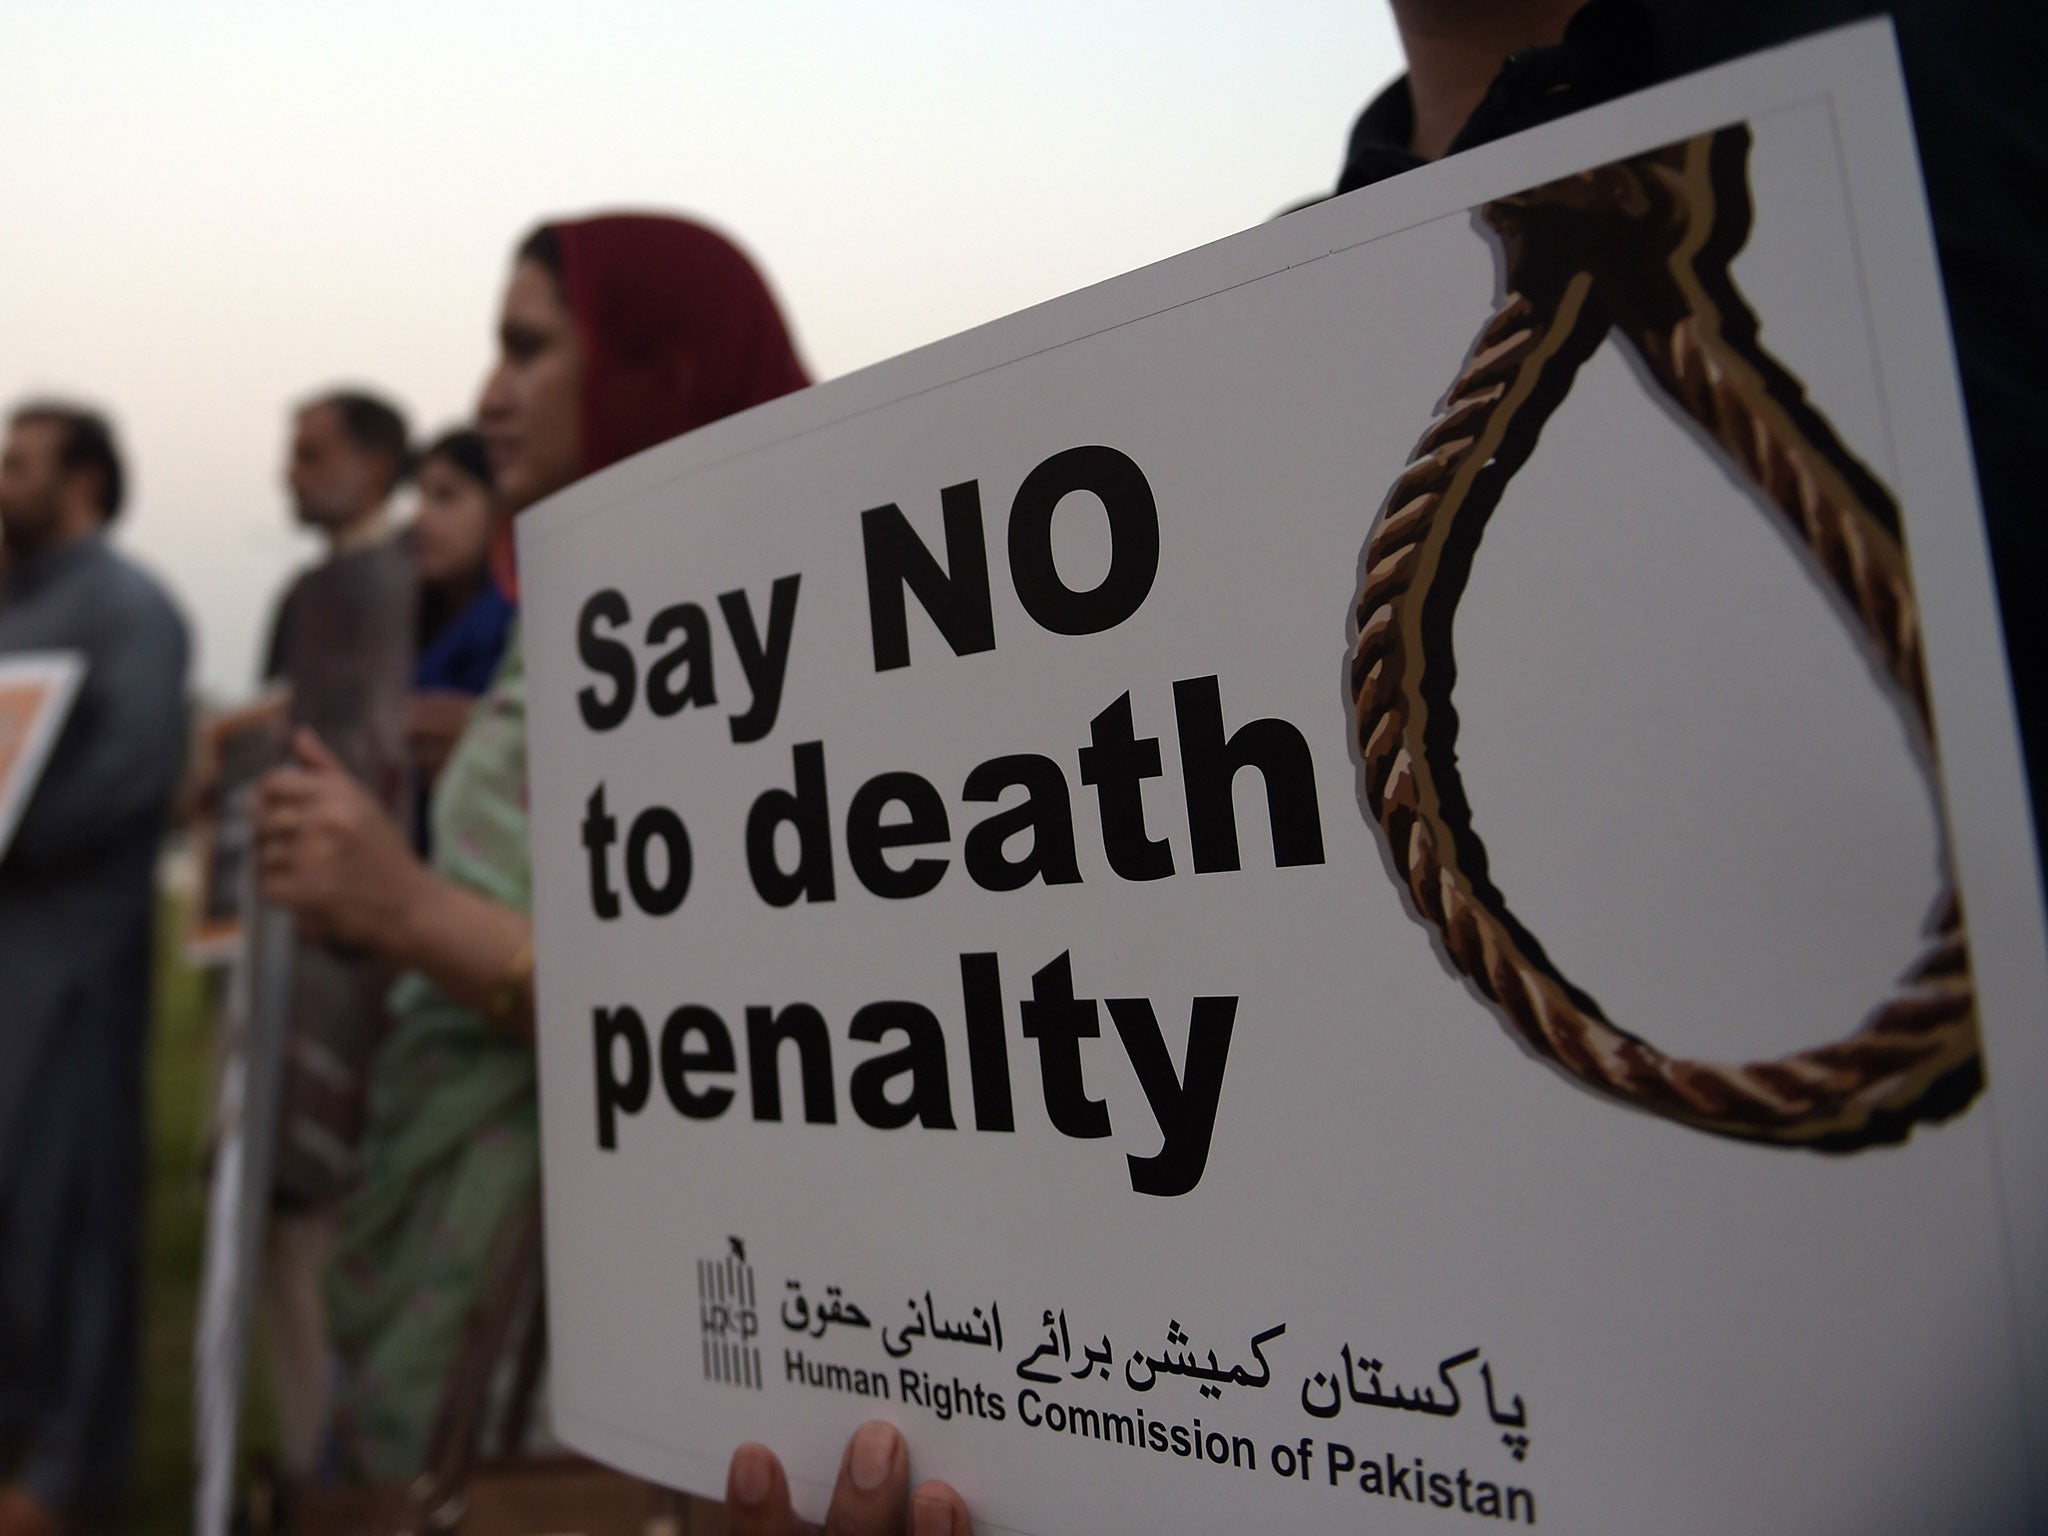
(678,329)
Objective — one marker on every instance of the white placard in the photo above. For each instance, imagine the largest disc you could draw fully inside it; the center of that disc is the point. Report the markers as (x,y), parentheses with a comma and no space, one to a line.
(36,692)
(1035,1021)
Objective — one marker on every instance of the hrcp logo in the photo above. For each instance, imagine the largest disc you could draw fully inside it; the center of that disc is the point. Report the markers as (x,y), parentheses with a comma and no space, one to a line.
(725,1313)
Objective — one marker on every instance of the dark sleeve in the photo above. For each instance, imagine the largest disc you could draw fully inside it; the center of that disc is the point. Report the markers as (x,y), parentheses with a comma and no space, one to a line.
(118,761)
(1981,117)
(1980,120)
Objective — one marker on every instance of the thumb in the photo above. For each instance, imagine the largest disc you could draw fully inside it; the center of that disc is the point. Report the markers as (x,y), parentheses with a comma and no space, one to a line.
(309,749)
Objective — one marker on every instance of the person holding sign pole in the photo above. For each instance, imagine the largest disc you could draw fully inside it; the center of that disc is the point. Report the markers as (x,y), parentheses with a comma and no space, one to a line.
(341,644)
(616,333)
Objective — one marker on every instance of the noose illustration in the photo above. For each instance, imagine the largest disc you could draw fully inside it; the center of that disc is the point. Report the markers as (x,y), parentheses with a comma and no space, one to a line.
(1640,248)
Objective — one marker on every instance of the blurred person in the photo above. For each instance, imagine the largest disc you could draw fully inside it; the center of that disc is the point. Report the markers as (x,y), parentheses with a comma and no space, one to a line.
(464,619)
(347,457)
(343,645)
(616,333)
(77,901)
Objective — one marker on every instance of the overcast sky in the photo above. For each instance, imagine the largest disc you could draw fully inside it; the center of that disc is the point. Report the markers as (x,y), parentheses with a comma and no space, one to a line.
(208,210)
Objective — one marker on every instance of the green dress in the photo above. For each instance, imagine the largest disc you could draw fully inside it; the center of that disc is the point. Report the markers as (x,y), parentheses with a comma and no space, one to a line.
(451,1148)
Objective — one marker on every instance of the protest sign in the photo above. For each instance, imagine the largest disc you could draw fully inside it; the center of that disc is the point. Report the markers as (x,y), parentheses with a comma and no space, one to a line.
(1311,888)
(36,690)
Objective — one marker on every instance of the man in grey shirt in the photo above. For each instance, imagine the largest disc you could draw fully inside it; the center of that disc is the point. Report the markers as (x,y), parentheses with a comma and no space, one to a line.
(343,643)
(77,889)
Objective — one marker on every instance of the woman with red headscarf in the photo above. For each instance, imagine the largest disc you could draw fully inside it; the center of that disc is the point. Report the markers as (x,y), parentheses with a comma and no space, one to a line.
(616,333)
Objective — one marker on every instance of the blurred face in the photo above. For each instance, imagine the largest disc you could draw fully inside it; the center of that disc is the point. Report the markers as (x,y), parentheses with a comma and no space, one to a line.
(31,485)
(530,413)
(451,529)
(333,483)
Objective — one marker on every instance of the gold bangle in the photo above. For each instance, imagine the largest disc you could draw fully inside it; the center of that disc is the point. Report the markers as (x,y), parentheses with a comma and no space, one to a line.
(503,1001)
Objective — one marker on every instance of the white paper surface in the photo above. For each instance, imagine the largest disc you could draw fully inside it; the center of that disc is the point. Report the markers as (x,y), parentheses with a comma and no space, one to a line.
(1689,785)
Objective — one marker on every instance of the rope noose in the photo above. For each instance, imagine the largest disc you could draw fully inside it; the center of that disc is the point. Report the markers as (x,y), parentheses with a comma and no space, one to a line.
(1640,248)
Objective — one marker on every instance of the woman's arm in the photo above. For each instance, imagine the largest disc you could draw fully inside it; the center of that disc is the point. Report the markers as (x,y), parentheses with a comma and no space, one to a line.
(327,851)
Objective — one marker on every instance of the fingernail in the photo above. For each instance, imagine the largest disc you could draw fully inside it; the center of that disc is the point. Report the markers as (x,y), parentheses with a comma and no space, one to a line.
(751,1474)
(931,1517)
(874,1448)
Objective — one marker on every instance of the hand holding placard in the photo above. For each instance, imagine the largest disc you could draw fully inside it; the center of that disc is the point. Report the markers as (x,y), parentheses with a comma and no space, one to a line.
(1003,861)
(872,1497)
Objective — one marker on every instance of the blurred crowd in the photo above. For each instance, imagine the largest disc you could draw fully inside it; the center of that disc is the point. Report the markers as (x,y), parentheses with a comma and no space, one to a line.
(402,1222)
(393,828)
